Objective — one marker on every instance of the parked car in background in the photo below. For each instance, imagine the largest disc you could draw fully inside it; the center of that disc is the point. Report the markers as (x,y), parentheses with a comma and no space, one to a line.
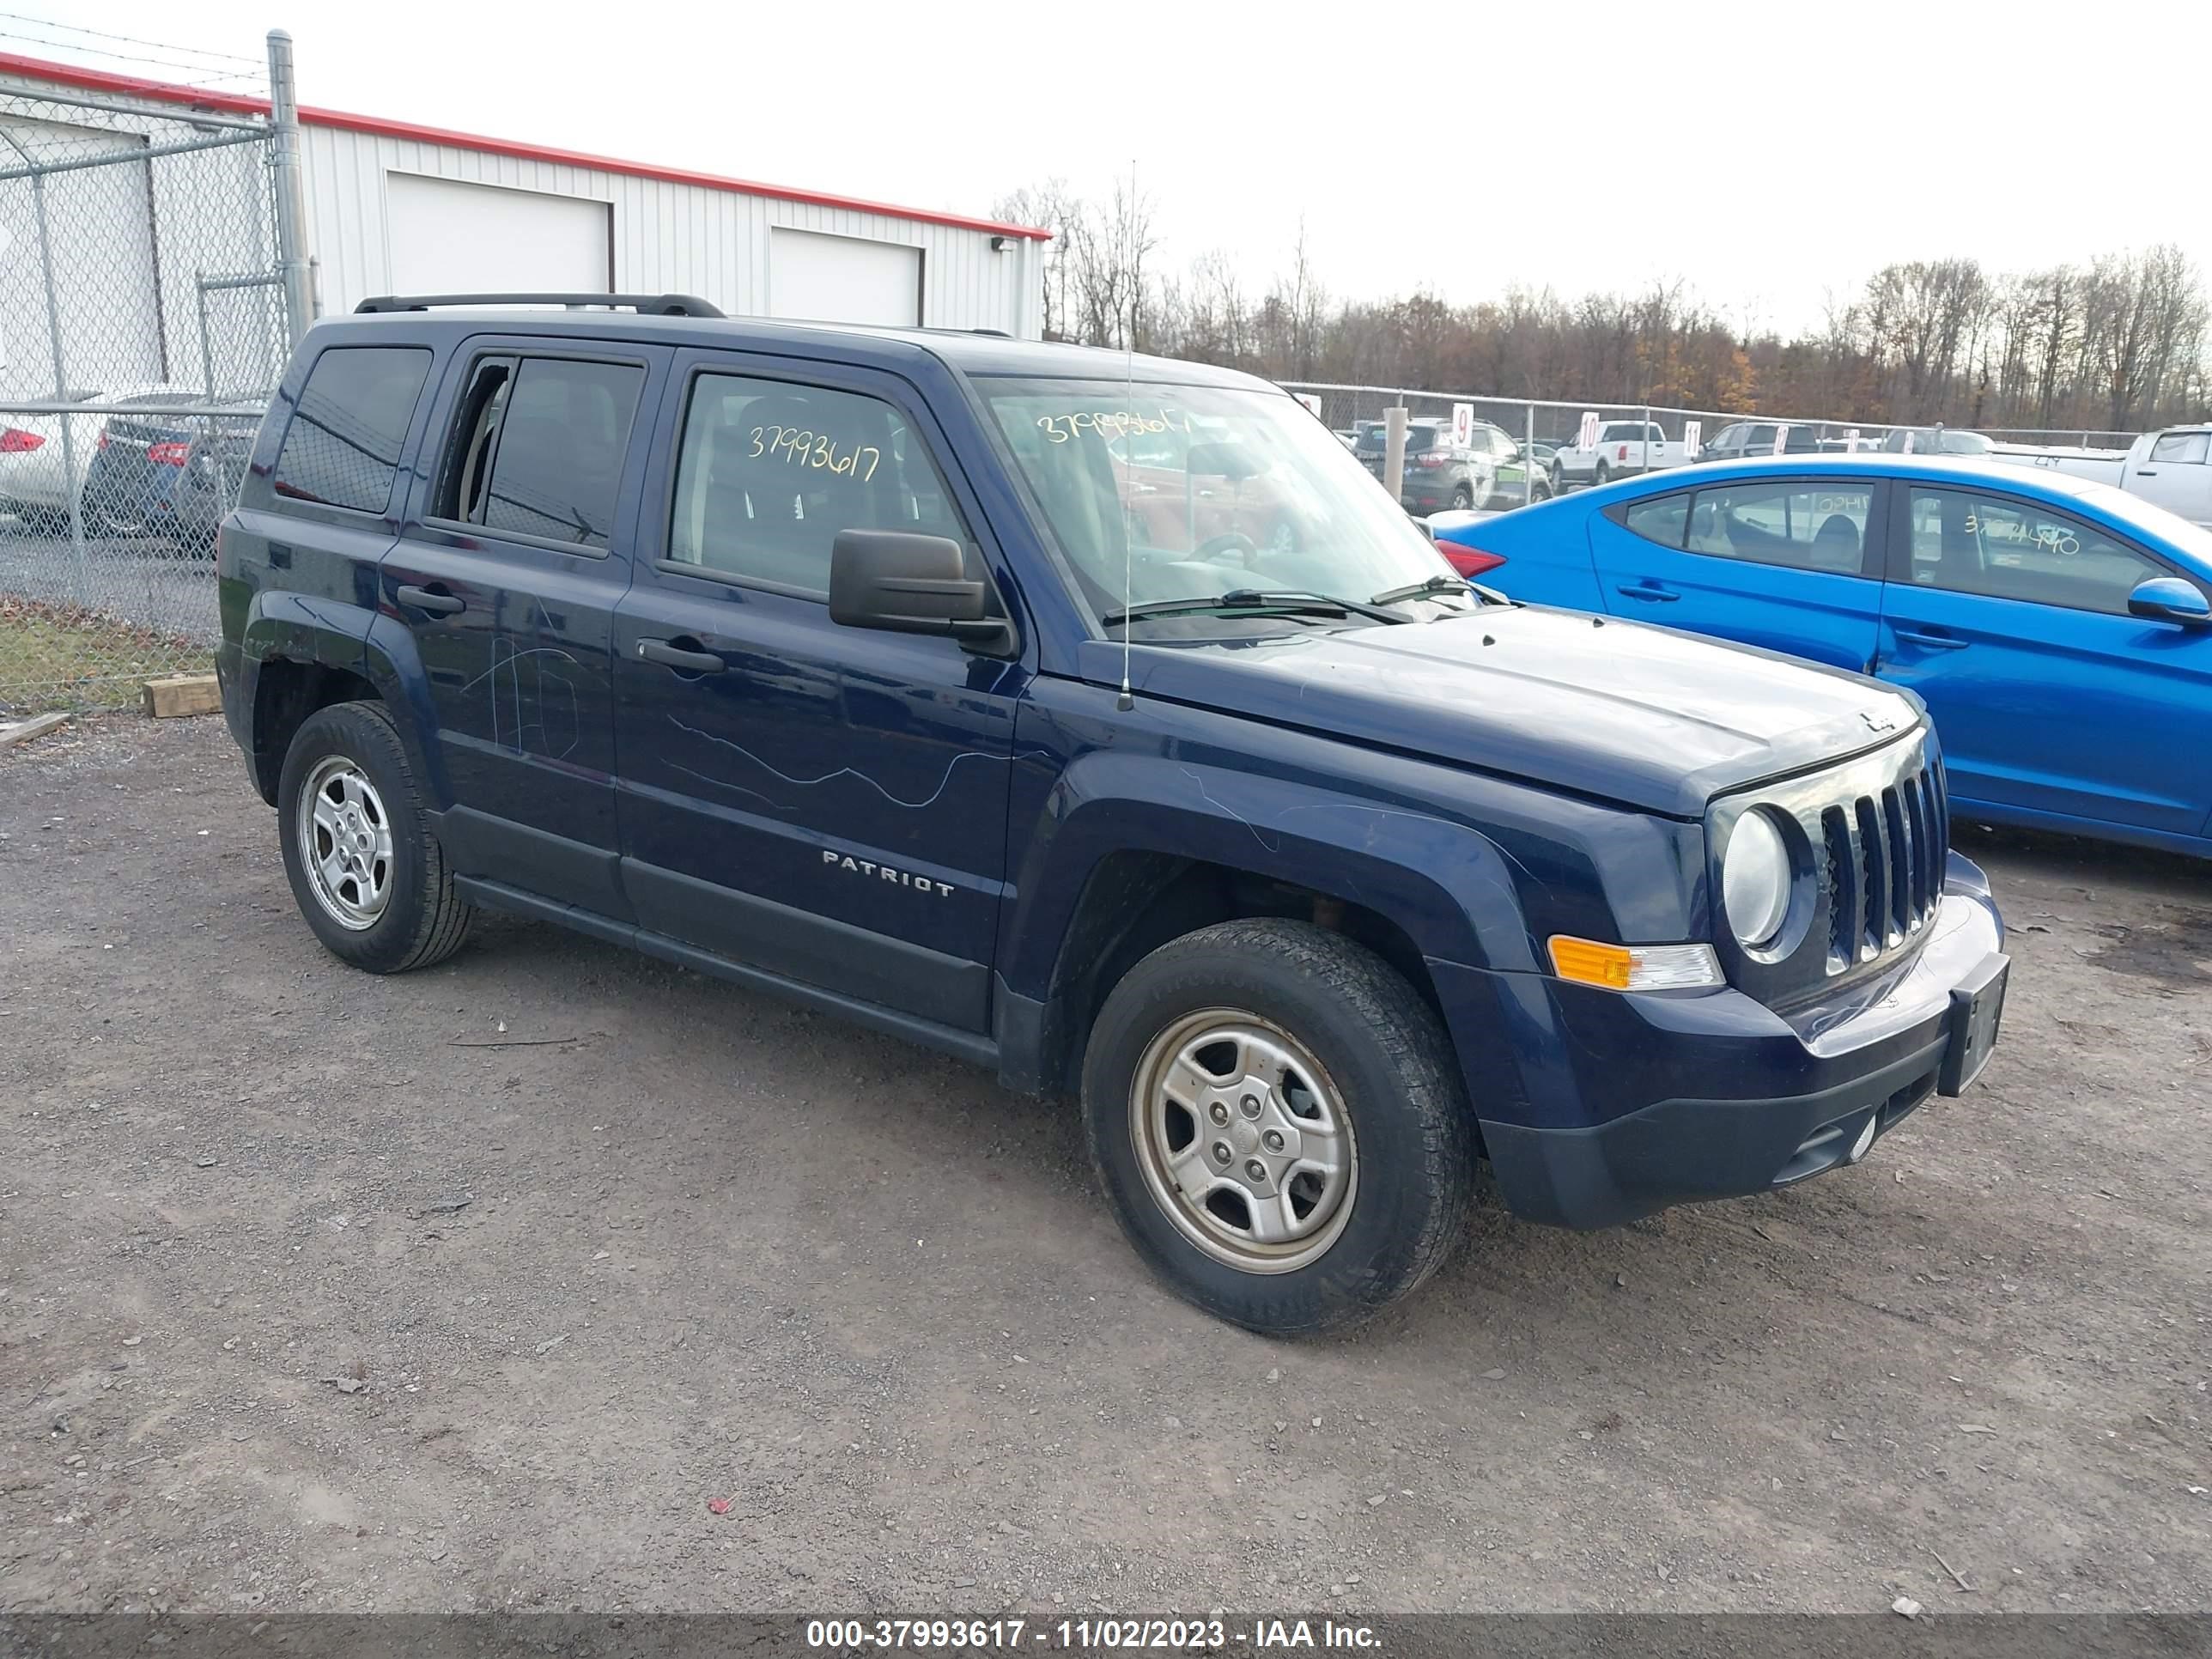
(2172,468)
(1936,441)
(36,459)
(1439,476)
(2059,630)
(1746,439)
(1624,450)
(139,462)
(206,486)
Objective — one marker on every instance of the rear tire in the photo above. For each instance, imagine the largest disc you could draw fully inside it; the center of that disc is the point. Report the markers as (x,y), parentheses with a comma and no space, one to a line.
(366,871)
(1603,476)
(1316,1068)
(1462,498)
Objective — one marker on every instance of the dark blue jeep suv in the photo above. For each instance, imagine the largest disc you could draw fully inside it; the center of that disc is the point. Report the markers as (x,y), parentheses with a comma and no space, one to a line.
(1099,721)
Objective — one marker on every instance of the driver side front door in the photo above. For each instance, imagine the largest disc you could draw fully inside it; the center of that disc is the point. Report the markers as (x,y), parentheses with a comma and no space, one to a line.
(822,804)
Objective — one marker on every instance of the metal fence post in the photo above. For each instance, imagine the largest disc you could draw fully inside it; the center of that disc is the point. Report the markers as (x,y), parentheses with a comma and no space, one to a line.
(1529,455)
(1393,449)
(291,196)
(69,481)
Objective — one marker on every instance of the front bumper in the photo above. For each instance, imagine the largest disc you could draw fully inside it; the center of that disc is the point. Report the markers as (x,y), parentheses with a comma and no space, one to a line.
(1631,1103)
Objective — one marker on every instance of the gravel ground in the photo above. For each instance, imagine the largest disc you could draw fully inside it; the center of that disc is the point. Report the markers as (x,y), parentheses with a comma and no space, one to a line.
(310,1298)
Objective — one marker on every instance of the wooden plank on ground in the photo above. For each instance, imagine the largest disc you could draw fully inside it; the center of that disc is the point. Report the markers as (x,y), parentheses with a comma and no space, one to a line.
(182,694)
(23,731)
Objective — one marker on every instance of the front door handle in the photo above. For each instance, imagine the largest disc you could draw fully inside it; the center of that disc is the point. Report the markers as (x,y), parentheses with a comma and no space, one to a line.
(1650,592)
(435,601)
(690,658)
(1929,641)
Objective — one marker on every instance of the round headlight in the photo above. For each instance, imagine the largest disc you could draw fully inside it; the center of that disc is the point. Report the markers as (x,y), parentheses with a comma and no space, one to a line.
(1756,880)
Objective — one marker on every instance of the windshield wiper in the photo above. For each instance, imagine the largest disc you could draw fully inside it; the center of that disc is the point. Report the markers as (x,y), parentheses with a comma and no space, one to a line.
(1439,586)
(1289,602)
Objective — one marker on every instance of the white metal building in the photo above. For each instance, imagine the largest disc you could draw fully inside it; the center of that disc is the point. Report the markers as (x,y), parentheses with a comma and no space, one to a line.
(395,209)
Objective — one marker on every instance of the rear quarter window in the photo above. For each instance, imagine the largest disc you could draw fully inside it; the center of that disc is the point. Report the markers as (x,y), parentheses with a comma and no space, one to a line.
(341,448)
(1662,519)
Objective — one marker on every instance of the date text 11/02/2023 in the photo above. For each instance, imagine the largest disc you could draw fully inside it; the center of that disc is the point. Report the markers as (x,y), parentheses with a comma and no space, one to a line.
(1208,1635)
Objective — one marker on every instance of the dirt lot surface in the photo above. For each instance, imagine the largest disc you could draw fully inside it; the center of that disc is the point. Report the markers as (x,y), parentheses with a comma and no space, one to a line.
(311,1298)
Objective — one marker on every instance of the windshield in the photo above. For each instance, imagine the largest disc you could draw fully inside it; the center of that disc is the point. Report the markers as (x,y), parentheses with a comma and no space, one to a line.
(1187,492)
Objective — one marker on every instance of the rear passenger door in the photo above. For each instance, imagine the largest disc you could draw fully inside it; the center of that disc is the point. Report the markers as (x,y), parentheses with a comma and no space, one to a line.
(1779,562)
(505,574)
(823,803)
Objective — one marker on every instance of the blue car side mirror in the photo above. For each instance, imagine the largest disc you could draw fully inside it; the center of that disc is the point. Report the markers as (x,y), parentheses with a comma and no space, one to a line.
(2169,598)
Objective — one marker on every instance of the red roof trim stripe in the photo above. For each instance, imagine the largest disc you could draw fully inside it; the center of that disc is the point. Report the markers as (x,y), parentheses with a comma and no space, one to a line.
(91,80)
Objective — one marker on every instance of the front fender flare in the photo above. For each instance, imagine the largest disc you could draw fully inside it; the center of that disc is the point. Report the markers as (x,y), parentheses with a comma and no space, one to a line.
(1448,886)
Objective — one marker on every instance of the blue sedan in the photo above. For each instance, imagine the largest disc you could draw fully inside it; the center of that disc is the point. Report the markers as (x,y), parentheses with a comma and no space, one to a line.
(2060,630)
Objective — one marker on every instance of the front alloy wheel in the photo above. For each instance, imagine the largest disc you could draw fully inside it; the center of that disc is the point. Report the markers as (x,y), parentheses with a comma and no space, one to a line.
(1244,1141)
(1279,1123)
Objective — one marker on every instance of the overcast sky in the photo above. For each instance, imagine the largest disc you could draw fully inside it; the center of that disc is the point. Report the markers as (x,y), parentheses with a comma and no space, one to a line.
(1770,154)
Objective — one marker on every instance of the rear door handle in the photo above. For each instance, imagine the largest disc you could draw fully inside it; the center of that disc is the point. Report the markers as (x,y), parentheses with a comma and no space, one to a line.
(1650,591)
(1928,641)
(435,601)
(690,659)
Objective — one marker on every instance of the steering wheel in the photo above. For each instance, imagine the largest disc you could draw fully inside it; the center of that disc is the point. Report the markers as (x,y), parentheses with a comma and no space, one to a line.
(1229,544)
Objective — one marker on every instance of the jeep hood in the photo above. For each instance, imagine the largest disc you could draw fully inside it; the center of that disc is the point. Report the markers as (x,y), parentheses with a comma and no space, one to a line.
(1645,716)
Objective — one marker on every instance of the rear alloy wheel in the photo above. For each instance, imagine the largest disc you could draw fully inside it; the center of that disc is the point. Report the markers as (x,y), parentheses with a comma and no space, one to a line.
(1279,1121)
(1462,498)
(368,876)
(1603,476)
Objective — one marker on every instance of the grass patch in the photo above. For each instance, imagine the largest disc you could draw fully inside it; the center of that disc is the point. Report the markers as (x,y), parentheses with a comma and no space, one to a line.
(58,657)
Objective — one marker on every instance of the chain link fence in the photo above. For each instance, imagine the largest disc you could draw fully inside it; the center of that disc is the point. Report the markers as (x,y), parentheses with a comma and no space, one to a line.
(1541,428)
(142,326)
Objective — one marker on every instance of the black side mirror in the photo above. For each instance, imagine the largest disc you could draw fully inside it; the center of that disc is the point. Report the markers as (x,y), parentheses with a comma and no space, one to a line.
(2169,598)
(905,583)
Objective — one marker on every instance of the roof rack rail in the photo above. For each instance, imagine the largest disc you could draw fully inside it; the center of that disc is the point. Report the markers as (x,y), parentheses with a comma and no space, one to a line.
(649,304)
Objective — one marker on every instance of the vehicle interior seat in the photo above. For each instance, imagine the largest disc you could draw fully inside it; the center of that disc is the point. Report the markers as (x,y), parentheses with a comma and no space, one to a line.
(1836,547)
(755,519)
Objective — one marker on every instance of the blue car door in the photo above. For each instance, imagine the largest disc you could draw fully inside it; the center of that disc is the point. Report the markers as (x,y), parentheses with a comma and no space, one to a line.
(2010,617)
(825,804)
(1790,564)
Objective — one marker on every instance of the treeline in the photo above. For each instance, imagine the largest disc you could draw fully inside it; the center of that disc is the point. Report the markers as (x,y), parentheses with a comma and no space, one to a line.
(2116,344)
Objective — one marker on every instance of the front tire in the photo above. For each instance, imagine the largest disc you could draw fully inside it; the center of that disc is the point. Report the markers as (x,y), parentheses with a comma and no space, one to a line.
(366,871)
(1280,1124)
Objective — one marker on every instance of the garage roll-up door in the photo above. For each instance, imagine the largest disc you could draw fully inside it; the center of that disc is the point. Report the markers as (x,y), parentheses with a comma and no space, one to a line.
(819,278)
(98,233)
(449,237)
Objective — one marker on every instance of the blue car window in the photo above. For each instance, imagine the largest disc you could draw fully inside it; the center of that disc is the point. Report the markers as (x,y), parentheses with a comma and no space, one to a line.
(2003,549)
(1802,527)
(1662,519)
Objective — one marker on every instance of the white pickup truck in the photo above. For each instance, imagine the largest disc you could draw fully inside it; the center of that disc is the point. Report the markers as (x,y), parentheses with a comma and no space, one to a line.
(2172,468)
(1624,449)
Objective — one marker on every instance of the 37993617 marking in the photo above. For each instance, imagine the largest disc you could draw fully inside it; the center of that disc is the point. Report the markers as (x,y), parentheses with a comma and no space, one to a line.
(1081,1635)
